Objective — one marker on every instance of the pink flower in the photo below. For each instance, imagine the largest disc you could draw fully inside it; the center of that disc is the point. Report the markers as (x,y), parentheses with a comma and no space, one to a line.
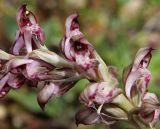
(108,115)
(62,81)
(98,98)
(136,77)
(99,93)
(11,72)
(28,31)
(77,49)
(150,111)
(74,46)
(9,81)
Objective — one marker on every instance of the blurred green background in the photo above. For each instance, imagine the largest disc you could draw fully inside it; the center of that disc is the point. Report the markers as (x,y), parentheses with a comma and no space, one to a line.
(117,29)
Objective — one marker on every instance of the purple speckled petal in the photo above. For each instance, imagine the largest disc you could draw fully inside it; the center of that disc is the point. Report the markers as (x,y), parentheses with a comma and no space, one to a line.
(18,44)
(137,76)
(28,28)
(100,93)
(142,58)
(149,111)
(46,93)
(15,62)
(87,116)
(71,24)
(16,81)
(4,80)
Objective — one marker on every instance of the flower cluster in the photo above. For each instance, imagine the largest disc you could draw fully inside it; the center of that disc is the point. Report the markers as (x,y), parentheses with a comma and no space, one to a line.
(31,61)
(103,99)
(136,78)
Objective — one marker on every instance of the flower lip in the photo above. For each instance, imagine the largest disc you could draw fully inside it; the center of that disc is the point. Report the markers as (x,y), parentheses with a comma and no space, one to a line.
(79,46)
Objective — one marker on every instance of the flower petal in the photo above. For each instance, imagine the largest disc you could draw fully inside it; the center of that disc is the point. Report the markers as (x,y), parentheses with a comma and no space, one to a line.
(18,45)
(15,81)
(150,98)
(133,78)
(16,62)
(46,93)
(54,89)
(100,93)
(136,76)
(87,116)
(3,80)
(142,58)
(71,23)
(36,70)
(28,41)
(4,91)
(149,111)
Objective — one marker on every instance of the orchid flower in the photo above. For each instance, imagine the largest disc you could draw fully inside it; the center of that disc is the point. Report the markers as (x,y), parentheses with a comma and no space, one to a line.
(136,77)
(99,93)
(10,72)
(62,80)
(77,49)
(97,98)
(9,81)
(28,30)
(150,109)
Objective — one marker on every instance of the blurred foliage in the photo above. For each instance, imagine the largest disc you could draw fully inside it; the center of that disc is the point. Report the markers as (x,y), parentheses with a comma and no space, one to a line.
(117,29)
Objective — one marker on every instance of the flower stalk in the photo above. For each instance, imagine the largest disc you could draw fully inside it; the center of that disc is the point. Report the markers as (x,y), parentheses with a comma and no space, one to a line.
(104,101)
